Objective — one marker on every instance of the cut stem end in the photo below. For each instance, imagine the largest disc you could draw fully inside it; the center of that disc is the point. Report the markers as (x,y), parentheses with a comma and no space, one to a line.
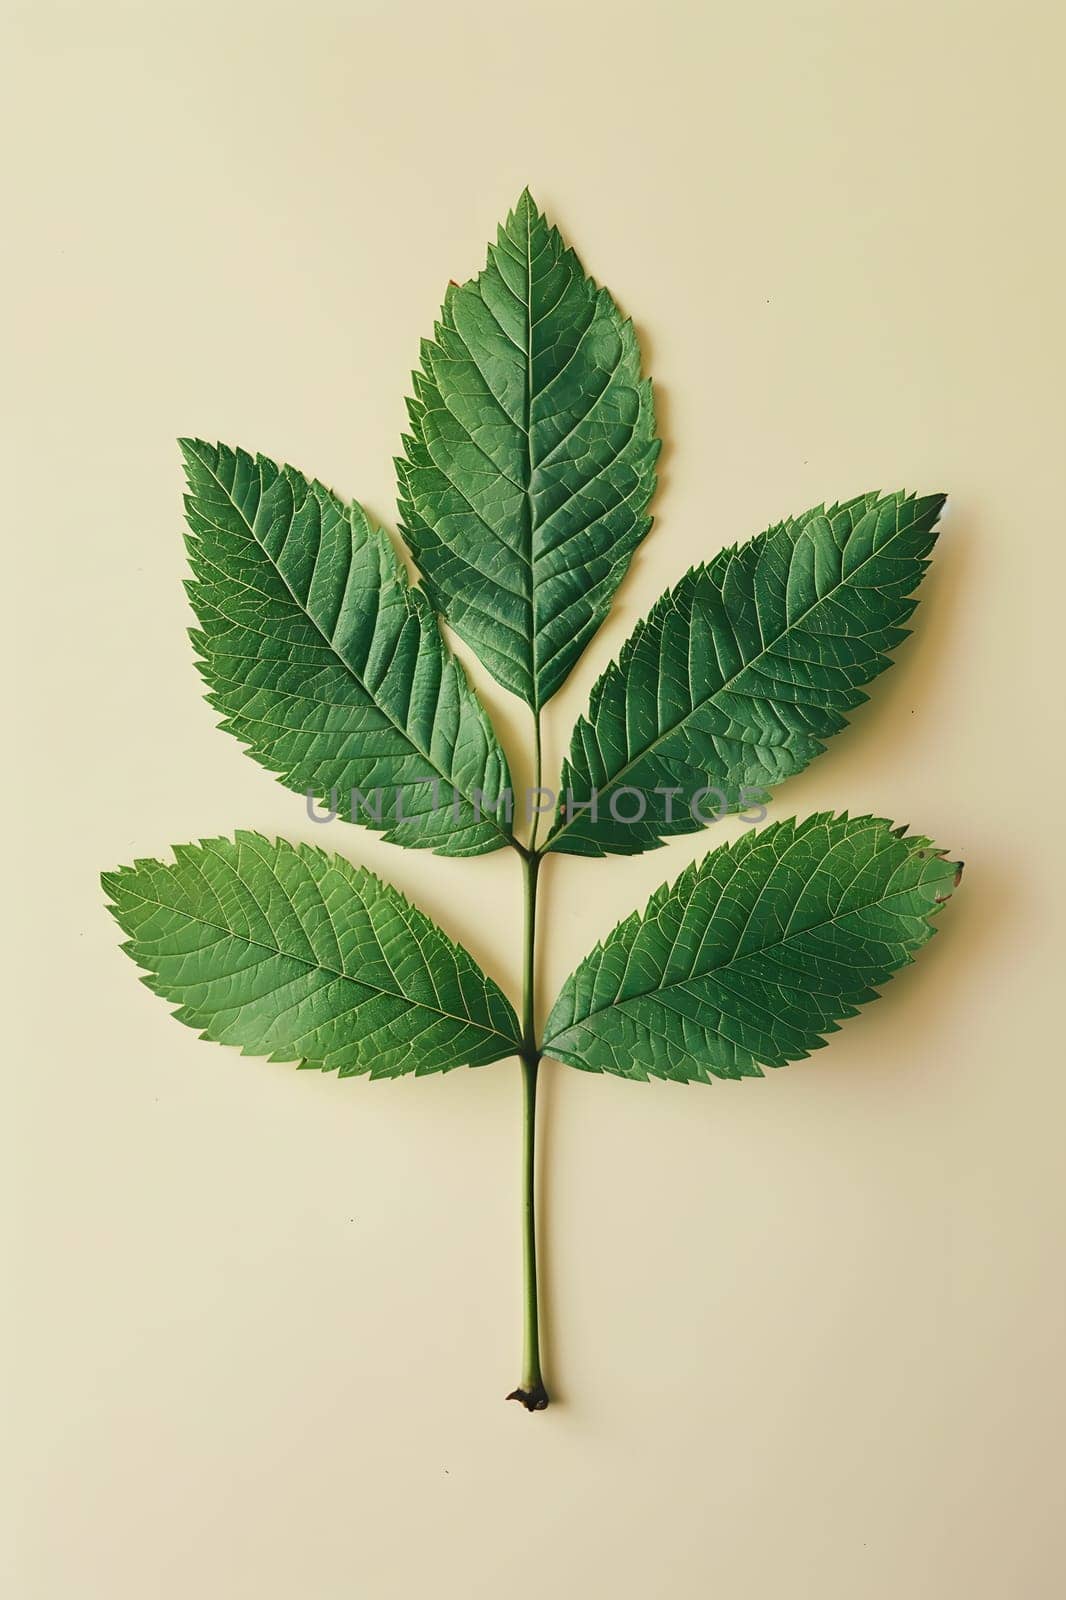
(534,1399)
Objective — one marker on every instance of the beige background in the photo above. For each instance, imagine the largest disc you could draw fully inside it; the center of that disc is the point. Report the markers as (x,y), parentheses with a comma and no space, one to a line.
(805,1335)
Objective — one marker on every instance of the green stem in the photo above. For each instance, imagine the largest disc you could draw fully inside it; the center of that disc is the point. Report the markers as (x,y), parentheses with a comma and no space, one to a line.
(531,1392)
(538,768)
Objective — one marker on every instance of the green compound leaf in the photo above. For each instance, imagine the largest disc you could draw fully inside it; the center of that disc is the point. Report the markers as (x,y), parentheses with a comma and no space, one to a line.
(754,954)
(327,664)
(296,955)
(740,672)
(531,459)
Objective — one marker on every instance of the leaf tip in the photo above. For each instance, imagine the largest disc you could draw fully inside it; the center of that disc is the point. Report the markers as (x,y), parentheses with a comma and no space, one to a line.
(191,448)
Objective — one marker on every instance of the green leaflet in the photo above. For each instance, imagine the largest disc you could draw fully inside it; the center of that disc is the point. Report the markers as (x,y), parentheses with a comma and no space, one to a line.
(298,956)
(327,664)
(754,954)
(531,460)
(740,672)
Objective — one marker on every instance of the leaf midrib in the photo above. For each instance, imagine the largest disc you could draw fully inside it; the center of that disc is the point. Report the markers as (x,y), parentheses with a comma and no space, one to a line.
(528,491)
(724,688)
